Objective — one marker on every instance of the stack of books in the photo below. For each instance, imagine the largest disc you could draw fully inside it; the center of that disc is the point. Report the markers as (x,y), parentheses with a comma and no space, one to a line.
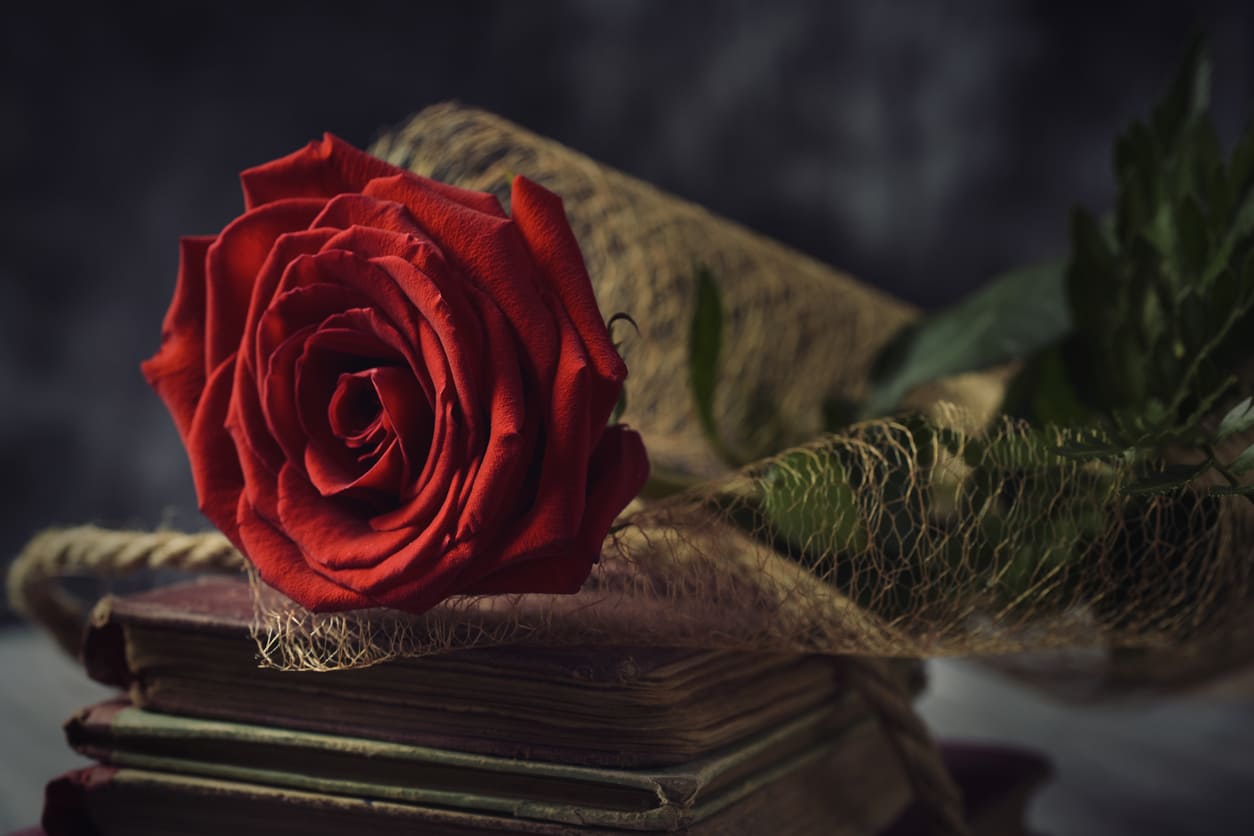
(474,741)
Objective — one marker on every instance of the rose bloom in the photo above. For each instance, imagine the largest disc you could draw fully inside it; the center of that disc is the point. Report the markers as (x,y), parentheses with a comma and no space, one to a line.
(392,392)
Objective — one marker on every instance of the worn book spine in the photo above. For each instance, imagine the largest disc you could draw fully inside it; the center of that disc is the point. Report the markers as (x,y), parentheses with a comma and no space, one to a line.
(666,799)
(111,801)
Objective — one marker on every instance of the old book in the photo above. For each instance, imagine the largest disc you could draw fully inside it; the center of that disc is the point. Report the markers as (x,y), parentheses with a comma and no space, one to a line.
(845,785)
(186,650)
(663,799)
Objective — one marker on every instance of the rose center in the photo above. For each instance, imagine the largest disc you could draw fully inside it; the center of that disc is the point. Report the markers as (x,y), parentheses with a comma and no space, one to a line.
(355,410)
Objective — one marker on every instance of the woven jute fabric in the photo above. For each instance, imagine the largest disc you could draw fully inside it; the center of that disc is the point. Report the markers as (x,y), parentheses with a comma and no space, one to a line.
(796,332)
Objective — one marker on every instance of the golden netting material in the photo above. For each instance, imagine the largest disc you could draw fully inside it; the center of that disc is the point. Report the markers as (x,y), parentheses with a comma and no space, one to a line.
(946,546)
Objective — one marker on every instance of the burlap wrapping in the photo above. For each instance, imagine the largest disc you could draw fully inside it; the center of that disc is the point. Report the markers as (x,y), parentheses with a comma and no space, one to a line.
(796,331)
(955,534)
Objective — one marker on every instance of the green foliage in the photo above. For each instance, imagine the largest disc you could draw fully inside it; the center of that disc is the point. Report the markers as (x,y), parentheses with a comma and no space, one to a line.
(1170,479)
(837,511)
(1233,490)
(808,499)
(769,431)
(619,407)
(1239,419)
(705,347)
(1161,297)
(1136,340)
(1016,314)
(1243,463)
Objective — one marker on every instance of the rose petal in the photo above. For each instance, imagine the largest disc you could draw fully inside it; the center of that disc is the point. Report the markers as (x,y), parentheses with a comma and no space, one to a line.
(337,537)
(215,463)
(616,473)
(405,417)
(409,412)
(489,251)
(409,291)
(288,249)
(420,587)
(177,370)
(513,427)
(559,488)
(319,170)
(354,413)
(349,210)
(439,486)
(542,221)
(232,267)
(282,566)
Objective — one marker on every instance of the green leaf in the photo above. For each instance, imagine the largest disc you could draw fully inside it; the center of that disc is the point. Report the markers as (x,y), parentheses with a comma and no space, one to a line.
(1241,169)
(619,407)
(1017,314)
(809,501)
(1239,419)
(1091,448)
(1043,393)
(1189,96)
(1136,164)
(1010,452)
(1090,274)
(1232,490)
(1193,238)
(1243,462)
(1168,480)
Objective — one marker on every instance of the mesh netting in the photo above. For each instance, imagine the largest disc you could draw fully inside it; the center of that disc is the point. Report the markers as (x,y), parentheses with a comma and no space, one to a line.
(952,532)
(893,539)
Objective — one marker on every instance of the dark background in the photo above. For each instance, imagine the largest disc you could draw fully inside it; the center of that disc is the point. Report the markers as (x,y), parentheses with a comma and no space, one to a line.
(924,147)
(921,146)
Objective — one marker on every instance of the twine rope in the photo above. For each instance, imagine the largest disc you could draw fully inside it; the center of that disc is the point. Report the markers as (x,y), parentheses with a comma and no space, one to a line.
(916,750)
(35,579)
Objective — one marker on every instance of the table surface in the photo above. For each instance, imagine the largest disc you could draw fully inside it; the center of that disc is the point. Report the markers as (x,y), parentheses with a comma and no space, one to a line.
(1180,766)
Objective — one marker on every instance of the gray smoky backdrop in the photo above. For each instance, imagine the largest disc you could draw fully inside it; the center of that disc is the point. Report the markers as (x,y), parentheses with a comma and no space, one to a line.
(922,146)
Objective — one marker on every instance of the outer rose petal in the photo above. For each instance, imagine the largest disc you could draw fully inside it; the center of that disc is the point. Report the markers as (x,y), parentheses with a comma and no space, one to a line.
(177,371)
(542,221)
(285,569)
(490,251)
(320,169)
(233,264)
(618,470)
(215,462)
(334,167)
(560,485)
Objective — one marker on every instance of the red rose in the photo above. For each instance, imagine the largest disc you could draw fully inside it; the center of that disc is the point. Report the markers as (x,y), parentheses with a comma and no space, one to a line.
(392,392)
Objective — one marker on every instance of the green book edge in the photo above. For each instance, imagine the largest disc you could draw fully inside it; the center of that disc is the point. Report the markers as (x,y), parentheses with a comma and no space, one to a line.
(658,799)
